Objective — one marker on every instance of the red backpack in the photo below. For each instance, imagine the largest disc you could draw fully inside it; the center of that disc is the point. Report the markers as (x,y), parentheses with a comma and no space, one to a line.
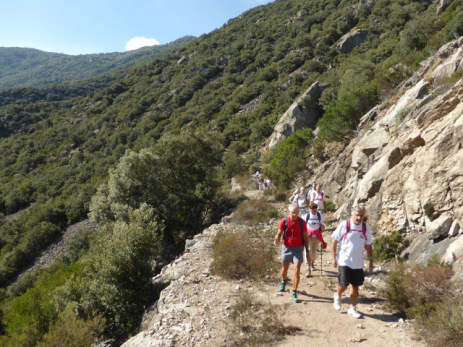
(364,230)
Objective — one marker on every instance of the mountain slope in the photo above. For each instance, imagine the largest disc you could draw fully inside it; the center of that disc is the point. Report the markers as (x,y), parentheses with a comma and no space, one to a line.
(26,67)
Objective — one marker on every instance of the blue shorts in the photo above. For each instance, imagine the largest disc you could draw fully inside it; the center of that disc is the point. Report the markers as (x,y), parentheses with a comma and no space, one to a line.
(292,254)
(347,276)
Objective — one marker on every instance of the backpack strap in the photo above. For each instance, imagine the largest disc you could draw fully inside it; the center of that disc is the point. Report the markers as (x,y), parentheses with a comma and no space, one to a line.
(364,230)
(301,225)
(286,227)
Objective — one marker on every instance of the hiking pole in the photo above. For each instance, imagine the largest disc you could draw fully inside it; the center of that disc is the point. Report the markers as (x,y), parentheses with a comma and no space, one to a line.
(321,259)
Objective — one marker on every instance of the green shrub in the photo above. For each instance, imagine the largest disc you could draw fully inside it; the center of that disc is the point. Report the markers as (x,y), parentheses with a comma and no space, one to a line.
(330,206)
(71,331)
(289,158)
(254,212)
(237,255)
(428,295)
(389,246)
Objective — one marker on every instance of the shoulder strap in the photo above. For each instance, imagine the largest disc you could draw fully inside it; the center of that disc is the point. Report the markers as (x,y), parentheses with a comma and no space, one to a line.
(286,227)
(301,225)
(364,229)
(319,217)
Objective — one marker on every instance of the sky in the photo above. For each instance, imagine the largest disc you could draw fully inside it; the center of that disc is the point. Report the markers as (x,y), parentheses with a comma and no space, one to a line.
(103,26)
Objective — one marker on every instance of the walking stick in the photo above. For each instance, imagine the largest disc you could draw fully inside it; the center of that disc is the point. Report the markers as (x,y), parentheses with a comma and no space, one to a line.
(321,259)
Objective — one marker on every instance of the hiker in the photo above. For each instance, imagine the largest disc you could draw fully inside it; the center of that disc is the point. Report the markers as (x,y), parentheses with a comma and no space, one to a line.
(312,190)
(301,199)
(318,197)
(261,183)
(268,181)
(294,232)
(353,236)
(315,227)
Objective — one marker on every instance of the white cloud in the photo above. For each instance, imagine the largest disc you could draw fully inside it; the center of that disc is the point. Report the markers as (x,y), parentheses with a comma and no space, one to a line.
(138,42)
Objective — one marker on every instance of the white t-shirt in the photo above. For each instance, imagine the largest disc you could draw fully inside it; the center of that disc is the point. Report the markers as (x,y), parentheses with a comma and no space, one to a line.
(351,247)
(300,199)
(312,220)
(317,198)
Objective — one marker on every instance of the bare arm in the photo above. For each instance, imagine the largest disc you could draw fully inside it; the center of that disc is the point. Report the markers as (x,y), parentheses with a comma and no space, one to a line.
(369,249)
(276,240)
(334,247)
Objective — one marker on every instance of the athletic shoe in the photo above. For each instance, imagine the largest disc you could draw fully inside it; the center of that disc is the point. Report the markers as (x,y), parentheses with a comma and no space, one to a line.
(353,312)
(294,296)
(282,286)
(337,302)
(309,272)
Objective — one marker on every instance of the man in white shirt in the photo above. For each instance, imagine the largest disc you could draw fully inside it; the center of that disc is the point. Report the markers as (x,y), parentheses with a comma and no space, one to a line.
(353,237)
(301,199)
(318,197)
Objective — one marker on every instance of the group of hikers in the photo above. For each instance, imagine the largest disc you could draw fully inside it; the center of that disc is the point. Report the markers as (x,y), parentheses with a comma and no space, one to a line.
(302,230)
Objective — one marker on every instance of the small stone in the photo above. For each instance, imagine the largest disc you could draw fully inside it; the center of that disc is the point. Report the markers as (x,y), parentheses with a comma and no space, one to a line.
(401,321)
(279,294)
(237,287)
(360,326)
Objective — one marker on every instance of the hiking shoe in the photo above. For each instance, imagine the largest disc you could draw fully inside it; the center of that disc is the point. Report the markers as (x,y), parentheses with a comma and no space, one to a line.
(337,302)
(294,296)
(282,286)
(309,272)
(353,312)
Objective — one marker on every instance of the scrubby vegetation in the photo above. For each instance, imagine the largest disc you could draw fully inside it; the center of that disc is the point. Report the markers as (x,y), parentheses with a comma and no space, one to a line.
(389,246)
(427,294)
(243,255)
(247,311)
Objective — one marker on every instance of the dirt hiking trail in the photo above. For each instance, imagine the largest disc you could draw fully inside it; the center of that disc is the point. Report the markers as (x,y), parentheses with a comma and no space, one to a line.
(319,323)
(196,308)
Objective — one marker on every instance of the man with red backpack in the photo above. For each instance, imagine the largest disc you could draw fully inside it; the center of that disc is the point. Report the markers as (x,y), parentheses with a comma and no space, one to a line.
(294,232)
(353,236)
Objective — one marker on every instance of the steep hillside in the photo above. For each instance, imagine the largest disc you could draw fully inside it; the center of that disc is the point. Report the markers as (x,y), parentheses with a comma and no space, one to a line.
(406,162)
(26,67)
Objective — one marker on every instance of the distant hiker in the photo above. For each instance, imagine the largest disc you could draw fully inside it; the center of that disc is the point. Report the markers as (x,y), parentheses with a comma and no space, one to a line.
(353,236)
(294,232)
(318,197)
(261,183)
(268,181)
(315,227)
(312,190)
(301,199)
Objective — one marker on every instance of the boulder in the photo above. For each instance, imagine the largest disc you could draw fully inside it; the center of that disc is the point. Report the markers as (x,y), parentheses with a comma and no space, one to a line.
(303,113)
(351,40)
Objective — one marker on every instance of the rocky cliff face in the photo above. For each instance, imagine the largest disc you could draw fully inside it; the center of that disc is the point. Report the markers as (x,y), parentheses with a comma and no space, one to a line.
(406,162)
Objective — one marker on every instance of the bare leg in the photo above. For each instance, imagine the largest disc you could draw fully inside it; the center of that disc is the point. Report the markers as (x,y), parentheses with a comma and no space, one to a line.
(284,271)
(354,293)
(297,275)
(341,290)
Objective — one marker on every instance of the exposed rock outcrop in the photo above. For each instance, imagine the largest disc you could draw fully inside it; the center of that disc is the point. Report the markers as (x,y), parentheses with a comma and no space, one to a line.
(303,113)
(351,40)
(407,163)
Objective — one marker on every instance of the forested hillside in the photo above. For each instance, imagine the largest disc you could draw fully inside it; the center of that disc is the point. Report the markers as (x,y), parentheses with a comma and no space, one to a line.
(149,156)
(26,67)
